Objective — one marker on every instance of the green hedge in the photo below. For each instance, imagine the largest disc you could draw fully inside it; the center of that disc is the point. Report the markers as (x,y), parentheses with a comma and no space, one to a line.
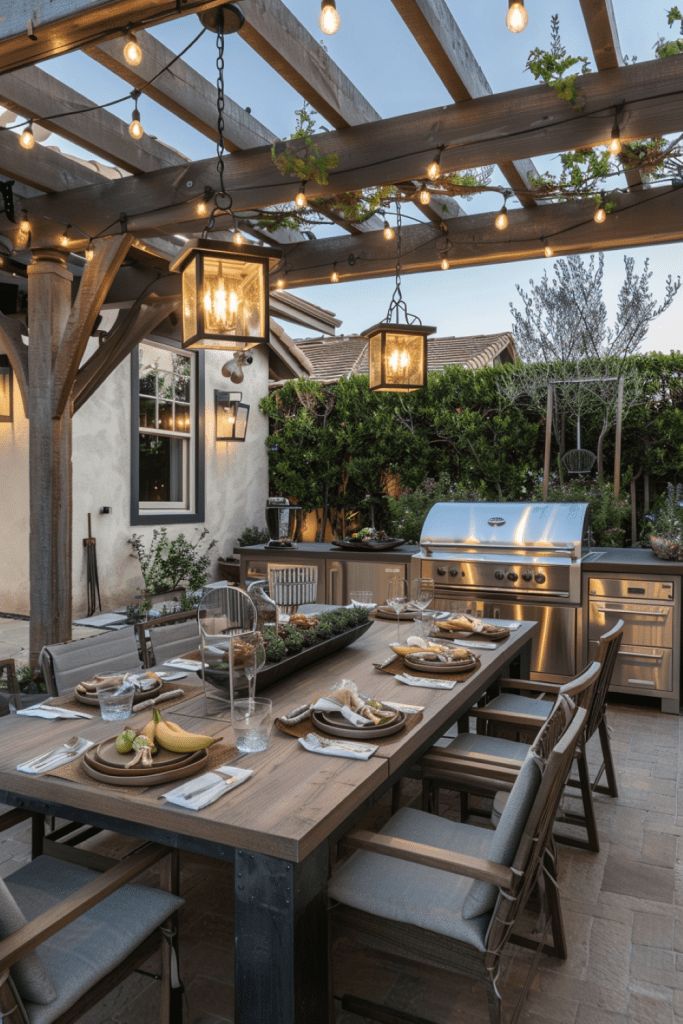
(343,449)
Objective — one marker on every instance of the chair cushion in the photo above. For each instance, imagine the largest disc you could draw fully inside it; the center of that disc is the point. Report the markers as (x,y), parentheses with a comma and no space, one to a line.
(74,662)
(30,974)
(482,896)
(494,746)
(85,951)
(412,893)
(521,705)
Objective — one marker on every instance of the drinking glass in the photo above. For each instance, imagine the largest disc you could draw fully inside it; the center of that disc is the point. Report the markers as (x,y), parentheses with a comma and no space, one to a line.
(397,597)
(421,596)
(252,721)
(254,659)
(116,701)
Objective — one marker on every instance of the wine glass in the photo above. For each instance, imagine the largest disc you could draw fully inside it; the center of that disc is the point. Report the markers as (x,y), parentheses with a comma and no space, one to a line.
(421,596)
(254,660)
(397,597)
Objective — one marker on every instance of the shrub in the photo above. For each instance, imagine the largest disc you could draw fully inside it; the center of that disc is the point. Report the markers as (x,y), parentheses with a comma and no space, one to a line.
(167,564)
(252,535)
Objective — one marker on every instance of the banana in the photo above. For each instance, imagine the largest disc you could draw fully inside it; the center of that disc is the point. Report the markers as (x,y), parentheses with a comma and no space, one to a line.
(171,737)
(149,731)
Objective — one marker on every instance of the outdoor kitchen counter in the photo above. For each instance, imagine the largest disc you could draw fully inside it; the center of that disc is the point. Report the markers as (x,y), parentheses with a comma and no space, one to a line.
(308,549)
(640,560)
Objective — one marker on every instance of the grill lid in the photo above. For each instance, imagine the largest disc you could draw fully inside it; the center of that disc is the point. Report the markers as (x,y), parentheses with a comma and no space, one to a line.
(552,527)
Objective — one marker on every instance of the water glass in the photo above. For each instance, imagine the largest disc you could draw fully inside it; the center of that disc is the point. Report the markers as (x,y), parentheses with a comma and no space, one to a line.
(252,660)
(421,596)
(252,722)
(362,598)
(116,701)
(397,597)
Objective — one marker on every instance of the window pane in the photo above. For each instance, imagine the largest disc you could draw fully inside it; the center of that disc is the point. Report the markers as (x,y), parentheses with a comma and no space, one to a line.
(161,468)
(182,417)
(165,415)
(148,413)
(148,383)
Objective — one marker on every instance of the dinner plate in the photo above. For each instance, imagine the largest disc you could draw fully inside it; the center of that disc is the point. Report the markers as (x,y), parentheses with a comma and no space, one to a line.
(150,778)
(140,695)
(440,667)
(156,769)
(383,611)
(334,723)
(107,753)
(500,633)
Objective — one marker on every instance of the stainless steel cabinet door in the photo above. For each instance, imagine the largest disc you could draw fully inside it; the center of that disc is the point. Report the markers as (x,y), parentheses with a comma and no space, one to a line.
(371,577)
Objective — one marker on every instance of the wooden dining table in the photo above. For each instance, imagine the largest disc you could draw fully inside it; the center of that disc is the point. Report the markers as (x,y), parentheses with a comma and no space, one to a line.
(278,828)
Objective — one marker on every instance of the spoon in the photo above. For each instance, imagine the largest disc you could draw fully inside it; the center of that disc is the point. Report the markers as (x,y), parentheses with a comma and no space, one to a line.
(70,746)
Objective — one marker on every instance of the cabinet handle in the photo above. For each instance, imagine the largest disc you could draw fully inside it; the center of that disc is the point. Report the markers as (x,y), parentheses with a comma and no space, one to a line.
(634,611)
(643,682)
(334,573)
(639,656)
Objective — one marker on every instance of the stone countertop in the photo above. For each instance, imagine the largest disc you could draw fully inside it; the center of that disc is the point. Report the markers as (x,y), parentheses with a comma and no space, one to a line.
(624,560)
(402,554)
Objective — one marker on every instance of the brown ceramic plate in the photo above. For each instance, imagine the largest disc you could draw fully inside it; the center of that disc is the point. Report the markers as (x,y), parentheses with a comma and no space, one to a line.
(150,778)
(493,633)
(140,695)
(106,754)
(334,723)
(156,769)
(383,611)
(440,667)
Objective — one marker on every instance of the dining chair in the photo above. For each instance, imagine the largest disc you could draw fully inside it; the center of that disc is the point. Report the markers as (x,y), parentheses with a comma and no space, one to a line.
(69,935)
(8,670)
(168,637)
(448,894)
(65,665)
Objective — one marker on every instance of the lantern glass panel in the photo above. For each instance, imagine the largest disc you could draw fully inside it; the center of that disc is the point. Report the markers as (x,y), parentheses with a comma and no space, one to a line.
(403,360)
(6,411)
(232,295)
(189,279)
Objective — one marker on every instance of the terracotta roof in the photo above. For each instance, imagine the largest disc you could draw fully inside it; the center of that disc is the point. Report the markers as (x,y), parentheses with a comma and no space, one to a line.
(333,358)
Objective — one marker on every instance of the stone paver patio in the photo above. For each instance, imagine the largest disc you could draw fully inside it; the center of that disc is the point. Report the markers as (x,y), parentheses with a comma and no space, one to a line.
(623,913)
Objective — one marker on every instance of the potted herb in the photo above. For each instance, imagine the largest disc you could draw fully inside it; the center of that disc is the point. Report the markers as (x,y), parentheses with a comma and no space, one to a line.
(666,525)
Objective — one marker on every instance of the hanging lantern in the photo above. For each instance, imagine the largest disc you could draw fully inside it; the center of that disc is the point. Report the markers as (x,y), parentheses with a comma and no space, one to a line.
(232,416)
(397,347)
(225,294)
(6,408)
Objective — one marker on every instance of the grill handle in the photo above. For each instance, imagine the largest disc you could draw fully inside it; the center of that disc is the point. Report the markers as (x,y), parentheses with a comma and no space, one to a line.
(462,545)
(634,611)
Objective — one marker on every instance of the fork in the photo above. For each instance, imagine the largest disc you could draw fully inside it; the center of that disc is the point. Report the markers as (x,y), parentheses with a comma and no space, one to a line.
(70,746)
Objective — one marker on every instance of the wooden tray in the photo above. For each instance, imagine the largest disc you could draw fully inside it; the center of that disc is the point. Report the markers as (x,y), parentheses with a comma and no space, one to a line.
(93,701)
(150,778)
(334,723)
(107,754)
(441,667)
(369,545)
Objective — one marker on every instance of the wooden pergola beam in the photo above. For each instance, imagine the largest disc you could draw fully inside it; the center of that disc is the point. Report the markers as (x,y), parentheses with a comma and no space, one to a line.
(43,168)
(643,218)
(35,30)
(505,126)
(444,45)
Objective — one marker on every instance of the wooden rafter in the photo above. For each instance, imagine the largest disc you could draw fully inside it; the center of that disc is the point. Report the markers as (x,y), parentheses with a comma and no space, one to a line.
(11,343)
(443,43)
(505,126)
(43,167)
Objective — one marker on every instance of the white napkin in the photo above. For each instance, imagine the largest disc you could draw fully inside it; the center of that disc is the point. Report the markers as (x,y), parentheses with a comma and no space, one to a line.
(430,684)
(60,757)
(224,778)
(337,748)
(508,623)
(51,712)
(186,664)
(329,704)
(407,709)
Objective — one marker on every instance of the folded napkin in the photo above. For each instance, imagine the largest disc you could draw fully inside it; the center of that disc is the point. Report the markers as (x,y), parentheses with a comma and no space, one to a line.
(428,684)
(43,763)
(52,711)
(204,790)
(407,709)
(330,704)
(186,664)
(337,748)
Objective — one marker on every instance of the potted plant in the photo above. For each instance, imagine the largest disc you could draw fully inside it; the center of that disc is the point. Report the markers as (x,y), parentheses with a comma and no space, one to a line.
(229,567)
(170,566)
(666,525)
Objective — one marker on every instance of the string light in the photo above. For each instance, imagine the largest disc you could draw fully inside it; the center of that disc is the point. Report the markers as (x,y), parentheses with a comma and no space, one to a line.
(424,195)
(434,168)
(27,139)
(334,276)
(600,215)
(502,220)
(280,283)
(89,253)
(300,199)
(517,16)
(24,224)
(64,237)
(388,231)
(135,129)
(202,207)
(132,51)
(445,265)
(238,237)
(547,248)
(615,146)
(329,17)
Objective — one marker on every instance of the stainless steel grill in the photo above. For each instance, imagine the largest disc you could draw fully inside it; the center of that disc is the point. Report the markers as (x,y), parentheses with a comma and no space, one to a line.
(519,560)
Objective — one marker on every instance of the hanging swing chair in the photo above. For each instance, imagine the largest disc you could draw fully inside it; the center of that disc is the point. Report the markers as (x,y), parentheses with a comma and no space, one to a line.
(578,461)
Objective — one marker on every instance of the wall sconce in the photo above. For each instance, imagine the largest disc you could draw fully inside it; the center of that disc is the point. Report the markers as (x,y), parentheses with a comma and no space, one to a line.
(6,389)
(232,416)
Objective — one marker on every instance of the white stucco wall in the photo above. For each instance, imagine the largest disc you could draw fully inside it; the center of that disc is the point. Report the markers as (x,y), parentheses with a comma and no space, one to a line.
(236,485)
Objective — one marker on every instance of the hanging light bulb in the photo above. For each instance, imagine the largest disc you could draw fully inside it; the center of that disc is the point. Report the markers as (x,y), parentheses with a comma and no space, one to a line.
(329,17)
(24,223)
(547,248)
(135,129)
(434,168)
(600,215)
(517,16)
(64,237)
(334,276)
(388,231)
(280,283)
(300,199)
(424,195)
(445,265)
(238,237)
(132,51)
(502,220)
(615,142)
(27,139)
(202,208)
(89,253)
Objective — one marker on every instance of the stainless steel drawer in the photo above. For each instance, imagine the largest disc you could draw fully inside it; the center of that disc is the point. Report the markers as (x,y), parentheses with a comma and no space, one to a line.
(641,670)
(630,589)
(645,625)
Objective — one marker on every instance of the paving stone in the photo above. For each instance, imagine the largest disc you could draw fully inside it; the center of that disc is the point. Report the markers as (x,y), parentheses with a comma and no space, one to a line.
(633,878)
(653,930)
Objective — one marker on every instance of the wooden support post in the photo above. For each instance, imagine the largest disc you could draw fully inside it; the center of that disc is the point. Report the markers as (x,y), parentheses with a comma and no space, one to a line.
(49,305)
(548,440)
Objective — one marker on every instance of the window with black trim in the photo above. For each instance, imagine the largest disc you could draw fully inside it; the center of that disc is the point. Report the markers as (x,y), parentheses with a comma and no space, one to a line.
(167,435)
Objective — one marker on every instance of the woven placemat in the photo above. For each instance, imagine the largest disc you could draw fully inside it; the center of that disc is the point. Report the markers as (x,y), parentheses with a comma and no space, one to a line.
(219,753)
(397,666)
(71,704)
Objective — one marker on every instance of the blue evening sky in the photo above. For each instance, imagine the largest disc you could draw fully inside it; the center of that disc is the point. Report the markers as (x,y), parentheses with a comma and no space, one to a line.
(376,50)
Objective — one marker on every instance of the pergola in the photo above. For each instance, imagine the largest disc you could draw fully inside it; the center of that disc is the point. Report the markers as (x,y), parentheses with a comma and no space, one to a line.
(135,213)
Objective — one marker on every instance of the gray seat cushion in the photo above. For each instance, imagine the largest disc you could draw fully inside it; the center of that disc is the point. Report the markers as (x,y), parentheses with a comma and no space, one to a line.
(521,705)
(85,951)
(174,640)
(494,746)
(505,839)
(411,893)
(74,662)
(30,974)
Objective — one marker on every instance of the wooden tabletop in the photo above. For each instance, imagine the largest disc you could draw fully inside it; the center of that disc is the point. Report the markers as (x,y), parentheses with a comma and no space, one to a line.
(295,800)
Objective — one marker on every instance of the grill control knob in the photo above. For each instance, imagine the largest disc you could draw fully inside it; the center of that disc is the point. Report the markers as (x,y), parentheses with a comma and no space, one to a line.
(453,572)
(539,577)
(527,576)
(512,576)
(441,571)
(499,574)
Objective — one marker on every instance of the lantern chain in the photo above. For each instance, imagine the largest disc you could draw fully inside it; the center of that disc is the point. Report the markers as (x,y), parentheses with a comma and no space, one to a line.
(222,200)
(397,305)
